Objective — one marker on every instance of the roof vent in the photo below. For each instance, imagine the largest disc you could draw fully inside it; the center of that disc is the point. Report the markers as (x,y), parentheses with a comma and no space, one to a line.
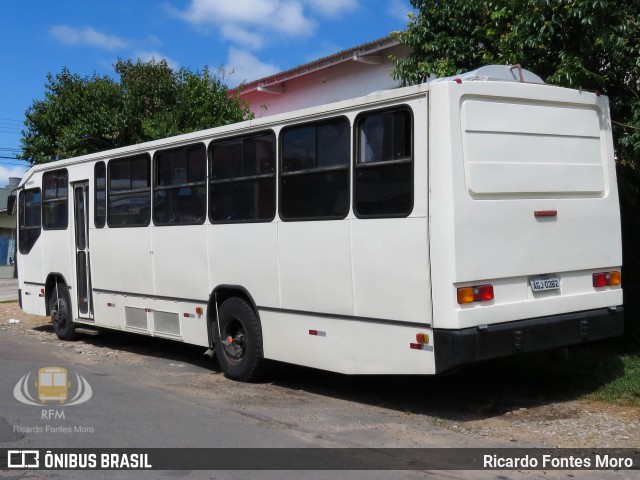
(496,73)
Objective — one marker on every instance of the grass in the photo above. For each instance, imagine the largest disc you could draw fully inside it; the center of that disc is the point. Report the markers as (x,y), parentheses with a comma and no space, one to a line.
(624,389)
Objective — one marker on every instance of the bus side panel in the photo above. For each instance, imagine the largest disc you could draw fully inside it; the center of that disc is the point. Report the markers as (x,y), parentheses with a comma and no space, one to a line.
(245,255)
(32,279)
(178,256)
(124,265)
(58,257)
(345,346)
(391,274)
(314,260)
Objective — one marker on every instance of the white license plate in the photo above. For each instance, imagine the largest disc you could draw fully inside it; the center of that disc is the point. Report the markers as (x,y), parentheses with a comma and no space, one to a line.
(544,282)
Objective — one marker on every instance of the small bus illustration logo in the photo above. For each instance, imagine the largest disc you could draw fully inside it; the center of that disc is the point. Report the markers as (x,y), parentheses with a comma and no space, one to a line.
(53,385)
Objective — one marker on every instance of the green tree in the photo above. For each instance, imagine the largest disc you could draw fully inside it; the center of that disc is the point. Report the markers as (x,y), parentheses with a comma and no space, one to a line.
(584,44)
(81,115)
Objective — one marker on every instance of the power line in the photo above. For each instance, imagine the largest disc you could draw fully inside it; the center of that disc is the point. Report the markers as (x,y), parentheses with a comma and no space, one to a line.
(12,158)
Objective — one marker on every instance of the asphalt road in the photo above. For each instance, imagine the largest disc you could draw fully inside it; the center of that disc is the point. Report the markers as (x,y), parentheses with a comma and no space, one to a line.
(148,394)
(8,289)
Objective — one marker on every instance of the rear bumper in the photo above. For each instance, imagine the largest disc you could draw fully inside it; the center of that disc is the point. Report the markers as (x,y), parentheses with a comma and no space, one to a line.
(459,347)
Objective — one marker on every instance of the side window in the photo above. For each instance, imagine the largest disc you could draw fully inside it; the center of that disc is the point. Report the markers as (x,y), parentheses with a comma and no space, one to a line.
(383,176)
(179,187)
(129,192)
(55,202)
(243,179)
(100,178)
(29,224)
(314,180)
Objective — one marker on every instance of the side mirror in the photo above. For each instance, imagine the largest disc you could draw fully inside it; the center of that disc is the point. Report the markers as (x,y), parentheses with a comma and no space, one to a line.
(11,205)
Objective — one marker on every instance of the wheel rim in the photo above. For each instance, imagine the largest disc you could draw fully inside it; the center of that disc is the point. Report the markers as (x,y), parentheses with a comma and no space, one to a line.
(59,313)
(234,340)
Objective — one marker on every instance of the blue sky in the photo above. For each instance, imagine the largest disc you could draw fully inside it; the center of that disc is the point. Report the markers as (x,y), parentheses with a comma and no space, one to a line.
(249,38)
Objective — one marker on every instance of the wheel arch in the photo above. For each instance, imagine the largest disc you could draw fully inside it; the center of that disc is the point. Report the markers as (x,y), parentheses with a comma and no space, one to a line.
(217,298)
(52,279)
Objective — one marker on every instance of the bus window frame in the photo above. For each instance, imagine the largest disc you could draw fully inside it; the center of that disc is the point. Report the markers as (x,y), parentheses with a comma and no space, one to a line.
(386,163)
(55,199)
(21,213)
(131,191)
(156,188)
(312,171)
(249,178)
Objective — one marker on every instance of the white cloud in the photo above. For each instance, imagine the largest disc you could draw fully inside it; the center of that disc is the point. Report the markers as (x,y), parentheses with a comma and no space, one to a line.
(86,36)
(399,9)
(148,55)
(254,18)
(333,8)
(5,173)
(242,66)
(244,37)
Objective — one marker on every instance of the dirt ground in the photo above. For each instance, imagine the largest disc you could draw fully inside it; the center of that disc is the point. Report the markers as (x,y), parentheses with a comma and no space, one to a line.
(501,416)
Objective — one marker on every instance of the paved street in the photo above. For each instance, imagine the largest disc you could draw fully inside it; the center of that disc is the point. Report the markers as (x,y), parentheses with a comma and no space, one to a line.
(8,289)
(152,393)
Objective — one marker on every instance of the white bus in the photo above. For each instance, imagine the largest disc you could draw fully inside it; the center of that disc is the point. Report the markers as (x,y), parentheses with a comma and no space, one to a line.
(405,232)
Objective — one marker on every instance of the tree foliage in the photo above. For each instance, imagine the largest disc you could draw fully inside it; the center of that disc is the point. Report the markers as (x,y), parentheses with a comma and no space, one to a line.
(584,44)
(81,115)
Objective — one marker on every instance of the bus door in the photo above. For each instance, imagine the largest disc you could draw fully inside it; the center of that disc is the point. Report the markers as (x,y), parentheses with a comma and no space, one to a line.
(83,267)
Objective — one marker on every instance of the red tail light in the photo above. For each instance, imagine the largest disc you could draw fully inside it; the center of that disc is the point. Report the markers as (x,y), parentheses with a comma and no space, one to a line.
(481,293)
(602,279)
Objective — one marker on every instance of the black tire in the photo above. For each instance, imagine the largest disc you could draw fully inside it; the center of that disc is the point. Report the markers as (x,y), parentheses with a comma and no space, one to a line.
(239,352)
(61,313)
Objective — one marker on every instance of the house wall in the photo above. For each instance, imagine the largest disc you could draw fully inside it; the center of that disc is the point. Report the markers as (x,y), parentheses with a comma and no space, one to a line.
(342,81)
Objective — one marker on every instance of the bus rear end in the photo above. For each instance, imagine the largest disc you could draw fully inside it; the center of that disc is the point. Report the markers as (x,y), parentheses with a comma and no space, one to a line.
(525,224)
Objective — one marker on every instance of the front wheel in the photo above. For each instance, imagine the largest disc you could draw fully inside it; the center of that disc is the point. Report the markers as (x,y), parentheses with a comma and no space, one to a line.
(61,317)
(238,341)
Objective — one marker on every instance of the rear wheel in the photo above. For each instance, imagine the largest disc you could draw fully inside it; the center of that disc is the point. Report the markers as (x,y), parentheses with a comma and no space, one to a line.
(61,317)
(238,341)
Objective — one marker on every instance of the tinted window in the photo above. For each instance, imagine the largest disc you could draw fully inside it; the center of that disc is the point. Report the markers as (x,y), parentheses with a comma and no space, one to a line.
(243,179)
(314,181)
(29,221)
(100,213)
(180,192)
(55,204)
(129,198)
(383,177)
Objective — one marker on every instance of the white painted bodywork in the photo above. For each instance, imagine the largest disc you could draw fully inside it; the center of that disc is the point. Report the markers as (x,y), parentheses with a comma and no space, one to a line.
(486,156)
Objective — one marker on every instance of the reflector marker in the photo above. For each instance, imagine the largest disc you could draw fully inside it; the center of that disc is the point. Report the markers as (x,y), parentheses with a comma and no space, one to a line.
(317,333)
(111,304)
(421,346)
(545,213)
(188,315)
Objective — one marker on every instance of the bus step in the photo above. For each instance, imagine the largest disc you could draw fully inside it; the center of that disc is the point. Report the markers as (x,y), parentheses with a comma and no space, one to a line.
(87,330)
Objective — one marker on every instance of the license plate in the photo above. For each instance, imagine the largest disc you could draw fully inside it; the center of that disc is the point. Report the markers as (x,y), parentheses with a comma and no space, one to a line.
(544,282)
